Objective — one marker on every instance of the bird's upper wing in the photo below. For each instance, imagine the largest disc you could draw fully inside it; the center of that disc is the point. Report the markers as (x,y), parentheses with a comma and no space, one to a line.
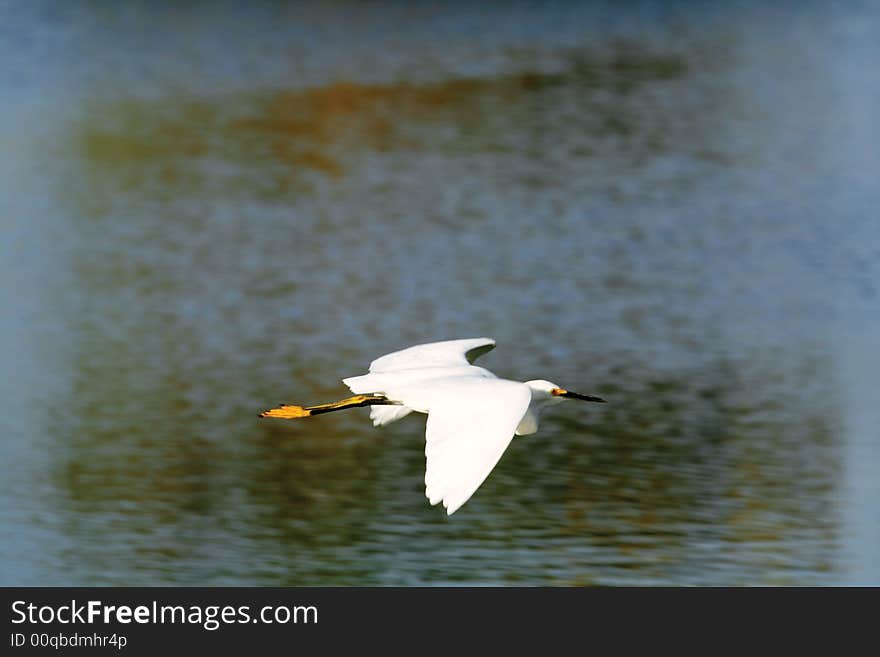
(434,354)
(470,424)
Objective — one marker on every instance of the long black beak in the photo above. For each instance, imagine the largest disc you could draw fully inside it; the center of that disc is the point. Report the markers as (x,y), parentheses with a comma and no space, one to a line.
(560,392)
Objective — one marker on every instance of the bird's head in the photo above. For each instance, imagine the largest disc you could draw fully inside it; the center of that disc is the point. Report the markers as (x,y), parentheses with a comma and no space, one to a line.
(550,392)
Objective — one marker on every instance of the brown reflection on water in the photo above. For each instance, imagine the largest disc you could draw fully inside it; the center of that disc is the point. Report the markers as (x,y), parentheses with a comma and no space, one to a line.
(173,145)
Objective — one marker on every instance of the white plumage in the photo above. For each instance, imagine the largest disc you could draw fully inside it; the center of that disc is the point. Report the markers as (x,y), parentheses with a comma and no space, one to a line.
(472,414)
(467,431)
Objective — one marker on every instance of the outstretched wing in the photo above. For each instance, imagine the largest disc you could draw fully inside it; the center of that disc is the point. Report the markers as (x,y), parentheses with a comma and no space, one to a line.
(469,426)
(434,354)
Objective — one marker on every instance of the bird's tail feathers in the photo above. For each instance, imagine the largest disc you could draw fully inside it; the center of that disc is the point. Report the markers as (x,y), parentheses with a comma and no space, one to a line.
(382,415)
(360,384)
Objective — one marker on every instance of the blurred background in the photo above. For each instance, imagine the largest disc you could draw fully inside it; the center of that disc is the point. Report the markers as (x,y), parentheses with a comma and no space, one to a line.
(210,208)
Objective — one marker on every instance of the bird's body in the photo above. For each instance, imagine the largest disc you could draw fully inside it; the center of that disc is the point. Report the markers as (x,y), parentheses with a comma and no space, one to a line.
(472,414)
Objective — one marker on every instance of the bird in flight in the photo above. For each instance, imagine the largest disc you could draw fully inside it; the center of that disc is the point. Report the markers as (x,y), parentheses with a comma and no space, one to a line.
(472,414)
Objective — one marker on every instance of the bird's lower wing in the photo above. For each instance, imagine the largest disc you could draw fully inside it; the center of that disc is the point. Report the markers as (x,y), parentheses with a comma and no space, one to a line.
(467,432)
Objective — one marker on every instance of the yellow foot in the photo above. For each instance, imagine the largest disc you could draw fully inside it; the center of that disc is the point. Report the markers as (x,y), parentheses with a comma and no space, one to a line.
(287,412)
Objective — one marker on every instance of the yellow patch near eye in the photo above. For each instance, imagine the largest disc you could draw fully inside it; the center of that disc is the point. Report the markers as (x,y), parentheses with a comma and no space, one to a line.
(558,391)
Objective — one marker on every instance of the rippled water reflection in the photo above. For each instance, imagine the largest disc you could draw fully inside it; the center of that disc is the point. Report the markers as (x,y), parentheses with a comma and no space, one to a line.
(671,208)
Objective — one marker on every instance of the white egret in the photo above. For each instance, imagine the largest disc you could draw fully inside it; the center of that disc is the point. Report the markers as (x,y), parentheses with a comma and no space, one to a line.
(472,414)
